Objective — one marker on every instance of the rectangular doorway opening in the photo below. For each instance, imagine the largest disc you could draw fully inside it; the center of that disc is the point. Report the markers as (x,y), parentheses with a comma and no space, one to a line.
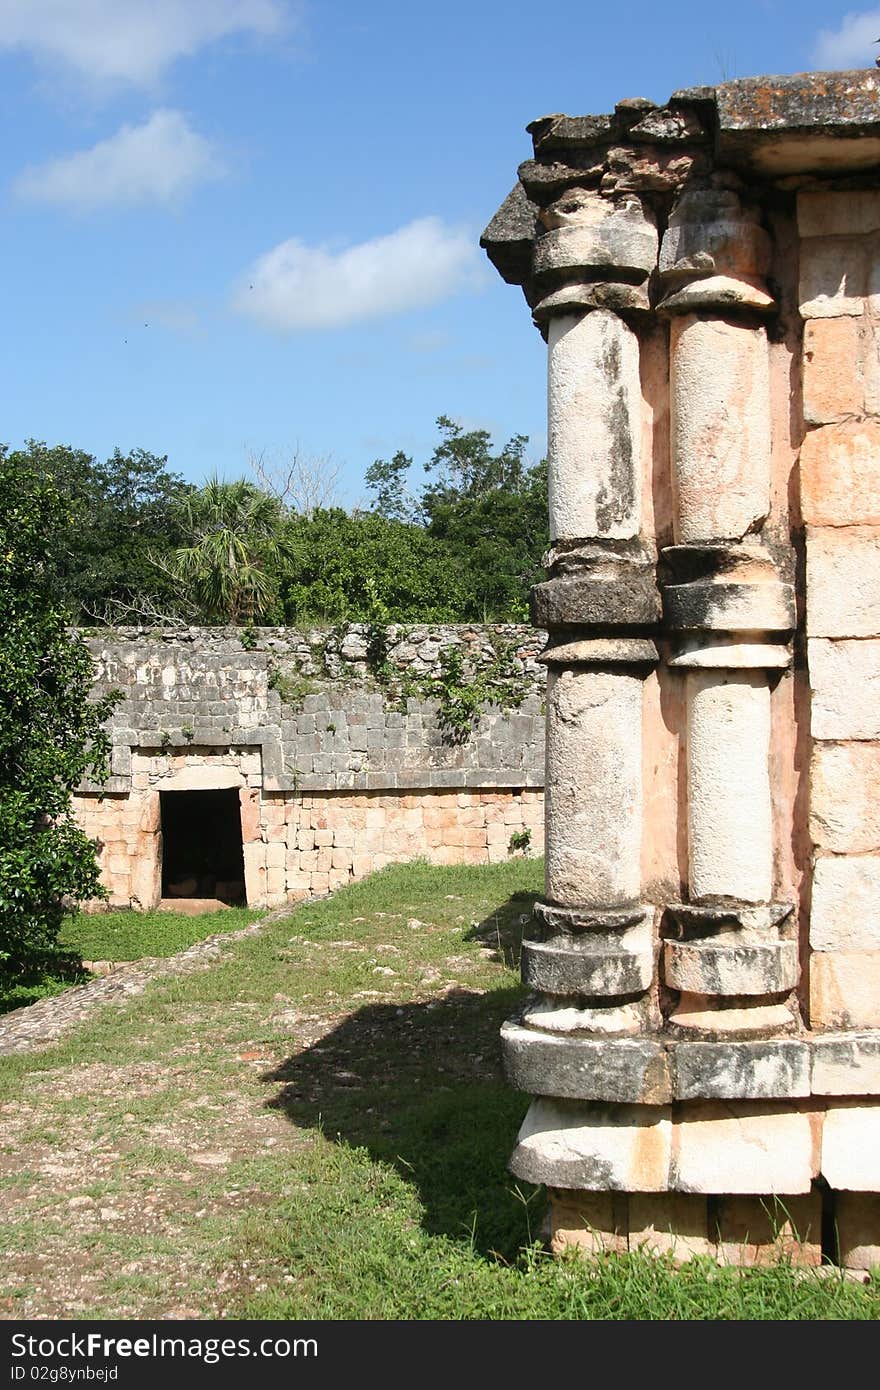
(202,855)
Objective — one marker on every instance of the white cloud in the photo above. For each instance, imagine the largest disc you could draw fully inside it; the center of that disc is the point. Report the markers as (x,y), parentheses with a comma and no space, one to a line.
(157,162)
(851,45)
(295,287)
(131,40)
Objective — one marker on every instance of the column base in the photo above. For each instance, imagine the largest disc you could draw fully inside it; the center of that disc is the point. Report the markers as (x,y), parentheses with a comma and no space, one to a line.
(742,1229)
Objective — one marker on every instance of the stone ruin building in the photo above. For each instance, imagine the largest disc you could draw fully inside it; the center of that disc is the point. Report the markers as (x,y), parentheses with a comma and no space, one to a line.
(702,1042)
(268,766)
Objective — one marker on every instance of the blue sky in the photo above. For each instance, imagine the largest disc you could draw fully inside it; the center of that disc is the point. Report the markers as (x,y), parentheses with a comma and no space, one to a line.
(239,227)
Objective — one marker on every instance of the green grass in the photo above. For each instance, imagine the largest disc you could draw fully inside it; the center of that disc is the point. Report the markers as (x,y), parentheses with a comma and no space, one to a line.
(113,936)
(133,935)
(356,1127)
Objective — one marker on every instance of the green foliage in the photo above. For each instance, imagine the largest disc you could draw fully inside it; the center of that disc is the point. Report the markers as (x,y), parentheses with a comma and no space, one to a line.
(520,840)
(291,687)
(121,512)
(145,546)
(120,936)
(51,734)
(488,512)
(362,568)
(387,1130)
(463,699)
(461,696)
(386,479)
(227,564)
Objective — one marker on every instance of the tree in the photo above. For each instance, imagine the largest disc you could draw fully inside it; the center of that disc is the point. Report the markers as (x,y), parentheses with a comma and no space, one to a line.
(228,565)
(123,511)
(51,734)
(302,483)
(487,510)
(362,568)
(386,479)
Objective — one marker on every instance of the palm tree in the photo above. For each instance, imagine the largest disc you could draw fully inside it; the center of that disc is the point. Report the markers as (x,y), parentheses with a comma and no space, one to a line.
(233,531)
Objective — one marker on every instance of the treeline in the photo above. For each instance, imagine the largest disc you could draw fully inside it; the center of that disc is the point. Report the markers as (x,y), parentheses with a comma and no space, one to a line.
(140,544)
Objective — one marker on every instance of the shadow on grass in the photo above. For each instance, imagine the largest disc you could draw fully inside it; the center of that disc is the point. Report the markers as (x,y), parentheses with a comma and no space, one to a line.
(420,1086)
(502,930)
(42,974)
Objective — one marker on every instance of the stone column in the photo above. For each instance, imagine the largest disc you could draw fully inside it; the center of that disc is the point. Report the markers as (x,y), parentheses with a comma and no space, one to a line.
(589,955)
(731,952)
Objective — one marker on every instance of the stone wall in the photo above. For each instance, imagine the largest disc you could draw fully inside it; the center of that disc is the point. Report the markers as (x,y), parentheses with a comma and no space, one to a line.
(702,1039)
(339,770)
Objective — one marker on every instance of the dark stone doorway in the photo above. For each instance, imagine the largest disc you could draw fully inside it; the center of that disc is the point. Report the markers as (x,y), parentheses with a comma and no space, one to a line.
(202,854)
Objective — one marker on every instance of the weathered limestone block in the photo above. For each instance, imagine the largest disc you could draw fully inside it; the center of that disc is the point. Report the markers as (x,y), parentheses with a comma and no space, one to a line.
(728,605)
(552,1064)
(599,239)
(845,910)
(840,474)
(837,276)
(850,1144)
(720,428)
(845,1064)
(837,368)
(845,798)
(850,213)
(202,778)
(725,964)
(769,1230)
(843,581)
(594,787)
(730,830)
(675,1224)
(593,963)
(604,1148)
(594,424)
(709,233)
(741,1070)
(742,1147)
(592,1223)
(845,989)
(845,681)
(250,814)
(605,589)
(857,1223)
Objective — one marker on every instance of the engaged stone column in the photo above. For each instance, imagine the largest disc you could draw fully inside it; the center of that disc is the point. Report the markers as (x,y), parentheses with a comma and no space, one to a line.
(590,954)
(732,952)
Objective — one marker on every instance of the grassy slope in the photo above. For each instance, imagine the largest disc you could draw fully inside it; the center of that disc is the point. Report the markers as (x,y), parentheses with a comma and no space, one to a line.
(317,1127)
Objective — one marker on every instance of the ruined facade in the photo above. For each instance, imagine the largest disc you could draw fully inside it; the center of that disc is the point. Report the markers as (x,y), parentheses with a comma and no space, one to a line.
(702,1040)
(271,765)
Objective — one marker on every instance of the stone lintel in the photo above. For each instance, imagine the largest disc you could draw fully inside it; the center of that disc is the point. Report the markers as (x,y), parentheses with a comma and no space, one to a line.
(806,121)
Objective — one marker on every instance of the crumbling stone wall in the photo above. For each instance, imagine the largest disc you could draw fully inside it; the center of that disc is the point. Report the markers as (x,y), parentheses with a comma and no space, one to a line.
(701,1038)
(339,770)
